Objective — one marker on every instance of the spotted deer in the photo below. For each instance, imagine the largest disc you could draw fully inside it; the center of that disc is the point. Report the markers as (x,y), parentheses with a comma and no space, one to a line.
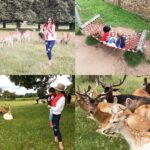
(138,140)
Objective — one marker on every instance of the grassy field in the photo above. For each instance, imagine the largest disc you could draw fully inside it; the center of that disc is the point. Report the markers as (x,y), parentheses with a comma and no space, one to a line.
(85,135)
(112,15)
(30,57)
(29,130)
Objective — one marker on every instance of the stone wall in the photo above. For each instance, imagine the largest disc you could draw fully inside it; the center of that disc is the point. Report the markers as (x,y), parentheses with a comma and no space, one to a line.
(140,7)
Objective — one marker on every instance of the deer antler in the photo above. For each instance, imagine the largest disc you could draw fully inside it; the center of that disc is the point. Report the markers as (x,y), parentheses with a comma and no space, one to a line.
(98,81)
(98,96)
(85,92)
(121,81)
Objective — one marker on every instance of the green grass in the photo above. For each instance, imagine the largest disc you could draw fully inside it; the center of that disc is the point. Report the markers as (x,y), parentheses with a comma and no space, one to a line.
(112,15)
(85,135)
(29,130)
(134,59)
(91,41)
(30,58)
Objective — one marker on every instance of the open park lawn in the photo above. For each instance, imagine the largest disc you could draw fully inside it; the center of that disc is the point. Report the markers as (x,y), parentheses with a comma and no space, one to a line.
(30,57)
(29,130)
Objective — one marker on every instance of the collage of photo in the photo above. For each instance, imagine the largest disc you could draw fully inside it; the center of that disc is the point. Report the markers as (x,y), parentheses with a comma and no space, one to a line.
(74,75)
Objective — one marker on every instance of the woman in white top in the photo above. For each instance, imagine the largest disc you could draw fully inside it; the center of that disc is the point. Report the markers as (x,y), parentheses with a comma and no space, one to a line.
(50,37)
(57,106)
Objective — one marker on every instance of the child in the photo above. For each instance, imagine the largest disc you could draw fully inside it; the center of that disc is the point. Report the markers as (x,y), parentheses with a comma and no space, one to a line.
(104,37)
(112,40)
(120,43)
(52,95)
(49,97)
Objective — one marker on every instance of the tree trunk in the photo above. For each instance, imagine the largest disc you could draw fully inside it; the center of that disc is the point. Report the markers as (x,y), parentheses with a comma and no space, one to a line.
(119,3)
(18,25)
(4,24)
(57,26)
(71,26)
(39,26)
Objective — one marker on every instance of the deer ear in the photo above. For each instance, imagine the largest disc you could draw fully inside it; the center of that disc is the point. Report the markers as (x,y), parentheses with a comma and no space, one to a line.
(115,100)
(128,102)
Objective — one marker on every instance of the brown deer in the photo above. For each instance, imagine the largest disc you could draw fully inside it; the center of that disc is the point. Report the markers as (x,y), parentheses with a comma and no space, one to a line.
(135,120)
(145,92)
(138,140)
(143,111)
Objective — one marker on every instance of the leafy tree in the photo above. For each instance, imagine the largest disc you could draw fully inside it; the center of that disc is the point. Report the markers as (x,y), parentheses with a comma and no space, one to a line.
(30,95)
(41,91)
(39,82)
(61,10)
(0,92)
(16,11)
(8,95)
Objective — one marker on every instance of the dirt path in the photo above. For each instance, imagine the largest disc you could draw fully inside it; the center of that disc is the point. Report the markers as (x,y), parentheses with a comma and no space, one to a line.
(91,60)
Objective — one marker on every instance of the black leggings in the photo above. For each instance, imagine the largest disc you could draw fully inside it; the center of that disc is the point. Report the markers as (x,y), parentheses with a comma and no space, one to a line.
(56,130)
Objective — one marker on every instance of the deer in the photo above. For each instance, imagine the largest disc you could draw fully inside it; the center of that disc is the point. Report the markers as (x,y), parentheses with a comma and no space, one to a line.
(65,38)
(143,111)
(137,139)
(27,35)
(8,115)
(145,92)
(135,120)
(95,109)
(92,108)
(4,109)
(123,99)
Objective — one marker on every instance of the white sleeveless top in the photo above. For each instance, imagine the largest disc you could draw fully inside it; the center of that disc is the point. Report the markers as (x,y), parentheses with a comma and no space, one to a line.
(51,38)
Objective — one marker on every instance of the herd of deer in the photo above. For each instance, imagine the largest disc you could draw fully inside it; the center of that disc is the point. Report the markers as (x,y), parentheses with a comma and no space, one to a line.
(16,36)
(127,114)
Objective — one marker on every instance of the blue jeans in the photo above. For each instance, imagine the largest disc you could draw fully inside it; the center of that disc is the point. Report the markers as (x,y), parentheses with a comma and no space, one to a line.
(56,129)
(49,46)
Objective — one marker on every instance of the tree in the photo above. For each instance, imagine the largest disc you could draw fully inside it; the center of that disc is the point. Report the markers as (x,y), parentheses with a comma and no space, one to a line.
(0,92)
(32,81)
(16,11)
(40,82)
(8,95)
(61,10)
(41,91)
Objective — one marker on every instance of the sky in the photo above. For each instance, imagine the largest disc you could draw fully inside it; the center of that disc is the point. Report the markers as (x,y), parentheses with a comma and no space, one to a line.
(6,84)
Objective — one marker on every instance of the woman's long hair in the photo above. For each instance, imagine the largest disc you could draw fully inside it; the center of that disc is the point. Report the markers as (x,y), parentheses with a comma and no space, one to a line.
(52,21)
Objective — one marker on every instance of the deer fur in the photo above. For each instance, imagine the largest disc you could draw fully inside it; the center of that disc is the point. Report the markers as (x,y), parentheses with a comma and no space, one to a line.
(141,92)
(135,120)
(143,111)
(138,140)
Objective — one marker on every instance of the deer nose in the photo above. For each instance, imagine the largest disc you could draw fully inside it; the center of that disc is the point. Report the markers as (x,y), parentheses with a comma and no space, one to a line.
(91,112)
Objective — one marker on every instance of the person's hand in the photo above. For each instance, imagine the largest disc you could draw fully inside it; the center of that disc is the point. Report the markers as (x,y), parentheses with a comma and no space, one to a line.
(49,106)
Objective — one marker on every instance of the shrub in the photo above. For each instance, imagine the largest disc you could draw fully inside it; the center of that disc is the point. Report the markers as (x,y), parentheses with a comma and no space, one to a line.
(134,59)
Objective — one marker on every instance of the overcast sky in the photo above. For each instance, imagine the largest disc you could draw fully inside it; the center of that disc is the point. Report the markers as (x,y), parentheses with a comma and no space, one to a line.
(6,84)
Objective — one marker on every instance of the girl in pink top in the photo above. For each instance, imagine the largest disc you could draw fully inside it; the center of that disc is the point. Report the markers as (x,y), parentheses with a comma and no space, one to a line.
(50,37)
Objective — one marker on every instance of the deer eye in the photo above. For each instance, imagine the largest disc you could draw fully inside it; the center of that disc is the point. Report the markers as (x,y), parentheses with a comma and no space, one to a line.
(115,121)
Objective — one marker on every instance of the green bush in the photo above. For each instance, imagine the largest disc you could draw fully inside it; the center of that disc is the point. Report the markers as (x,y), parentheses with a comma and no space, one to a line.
(91,41)
(134,59)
